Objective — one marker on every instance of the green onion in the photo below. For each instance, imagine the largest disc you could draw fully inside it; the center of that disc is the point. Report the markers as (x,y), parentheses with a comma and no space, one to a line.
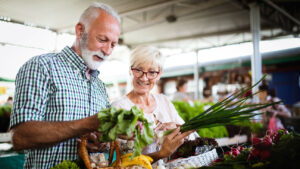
(225,112)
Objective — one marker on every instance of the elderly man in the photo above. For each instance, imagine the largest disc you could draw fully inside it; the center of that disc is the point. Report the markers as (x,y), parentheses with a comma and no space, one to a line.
(58,95)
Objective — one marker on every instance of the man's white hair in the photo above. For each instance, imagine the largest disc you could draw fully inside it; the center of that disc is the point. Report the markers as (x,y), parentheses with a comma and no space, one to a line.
(145,54)
(92,12)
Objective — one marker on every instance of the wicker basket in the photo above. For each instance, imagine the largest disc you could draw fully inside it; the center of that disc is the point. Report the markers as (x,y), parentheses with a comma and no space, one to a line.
(114,146)
(200,160)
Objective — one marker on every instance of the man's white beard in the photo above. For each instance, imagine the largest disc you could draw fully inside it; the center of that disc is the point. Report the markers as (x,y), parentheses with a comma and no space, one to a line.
(87,55)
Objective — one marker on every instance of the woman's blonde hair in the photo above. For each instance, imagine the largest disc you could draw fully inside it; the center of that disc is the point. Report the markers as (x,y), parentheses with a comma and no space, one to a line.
(145,54)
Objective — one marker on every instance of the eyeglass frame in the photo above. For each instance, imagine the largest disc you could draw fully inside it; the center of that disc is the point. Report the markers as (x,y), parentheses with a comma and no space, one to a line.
(136,69)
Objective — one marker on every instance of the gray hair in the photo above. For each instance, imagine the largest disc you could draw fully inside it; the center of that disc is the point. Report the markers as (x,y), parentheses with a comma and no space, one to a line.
(146,55)
(92,12)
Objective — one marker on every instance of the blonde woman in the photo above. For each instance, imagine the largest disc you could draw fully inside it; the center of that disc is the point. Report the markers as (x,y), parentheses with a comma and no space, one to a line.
(146,66)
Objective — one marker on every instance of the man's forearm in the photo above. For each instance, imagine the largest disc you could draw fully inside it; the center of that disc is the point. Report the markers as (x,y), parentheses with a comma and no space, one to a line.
(37,134)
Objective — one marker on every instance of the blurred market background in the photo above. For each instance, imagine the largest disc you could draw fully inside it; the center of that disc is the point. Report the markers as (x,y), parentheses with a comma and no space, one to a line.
(218,46)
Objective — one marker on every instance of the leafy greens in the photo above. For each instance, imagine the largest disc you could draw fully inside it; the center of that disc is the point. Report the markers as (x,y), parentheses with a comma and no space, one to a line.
(114,122)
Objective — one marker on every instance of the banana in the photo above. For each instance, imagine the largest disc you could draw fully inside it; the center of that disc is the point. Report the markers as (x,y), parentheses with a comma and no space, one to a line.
(141,160)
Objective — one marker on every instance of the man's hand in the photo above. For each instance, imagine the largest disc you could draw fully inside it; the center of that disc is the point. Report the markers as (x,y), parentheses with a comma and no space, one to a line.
(93,144)
(125,137)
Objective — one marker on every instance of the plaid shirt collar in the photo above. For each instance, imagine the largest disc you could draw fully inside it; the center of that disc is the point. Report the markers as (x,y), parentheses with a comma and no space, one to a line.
(75,60)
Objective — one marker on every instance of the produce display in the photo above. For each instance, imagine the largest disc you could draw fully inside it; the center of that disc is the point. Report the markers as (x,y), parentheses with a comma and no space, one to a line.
(277,150)
(227,111)
(187,111)
(4,118)
(114,122)
(97,161)
(66,165)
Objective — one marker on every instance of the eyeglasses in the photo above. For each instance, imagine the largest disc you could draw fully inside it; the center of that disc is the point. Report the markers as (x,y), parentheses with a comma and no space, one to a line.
(139,73)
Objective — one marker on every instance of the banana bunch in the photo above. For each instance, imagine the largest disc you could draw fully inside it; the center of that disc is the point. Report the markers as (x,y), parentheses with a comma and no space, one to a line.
(141,161)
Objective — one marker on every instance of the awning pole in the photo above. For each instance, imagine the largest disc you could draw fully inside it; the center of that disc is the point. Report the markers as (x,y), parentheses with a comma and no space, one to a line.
(256,60)
(196,77)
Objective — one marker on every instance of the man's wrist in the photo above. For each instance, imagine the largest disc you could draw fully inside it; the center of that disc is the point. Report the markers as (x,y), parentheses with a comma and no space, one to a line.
(89,124)
(94,122)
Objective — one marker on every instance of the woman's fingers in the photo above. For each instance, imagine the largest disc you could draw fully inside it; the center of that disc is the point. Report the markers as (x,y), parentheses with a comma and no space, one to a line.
(171,125)
(174,133)
(166,126)
(185,134)
(173,141)
(159,126)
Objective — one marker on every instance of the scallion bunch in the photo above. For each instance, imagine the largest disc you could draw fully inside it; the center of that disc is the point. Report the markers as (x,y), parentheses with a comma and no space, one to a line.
(227,111)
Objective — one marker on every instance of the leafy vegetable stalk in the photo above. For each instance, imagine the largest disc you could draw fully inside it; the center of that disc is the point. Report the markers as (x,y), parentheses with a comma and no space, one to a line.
(114,122)
(227,111)
(66,165)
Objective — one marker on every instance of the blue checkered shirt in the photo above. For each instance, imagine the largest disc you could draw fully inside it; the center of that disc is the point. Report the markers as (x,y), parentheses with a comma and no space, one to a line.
(54,87)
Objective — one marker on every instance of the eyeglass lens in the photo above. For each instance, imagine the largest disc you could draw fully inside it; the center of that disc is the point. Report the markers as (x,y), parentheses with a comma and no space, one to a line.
(140,73)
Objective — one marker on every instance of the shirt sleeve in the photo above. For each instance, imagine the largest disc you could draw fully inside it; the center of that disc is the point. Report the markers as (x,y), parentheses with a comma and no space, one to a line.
(30,94)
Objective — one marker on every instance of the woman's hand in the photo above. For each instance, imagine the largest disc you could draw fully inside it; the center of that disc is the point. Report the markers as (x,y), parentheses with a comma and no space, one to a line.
(172,142)
(166,126)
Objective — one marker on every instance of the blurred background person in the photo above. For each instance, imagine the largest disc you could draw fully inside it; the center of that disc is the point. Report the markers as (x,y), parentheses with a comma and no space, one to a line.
(273,114)
(9,101)
(180,94)
(207,96)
